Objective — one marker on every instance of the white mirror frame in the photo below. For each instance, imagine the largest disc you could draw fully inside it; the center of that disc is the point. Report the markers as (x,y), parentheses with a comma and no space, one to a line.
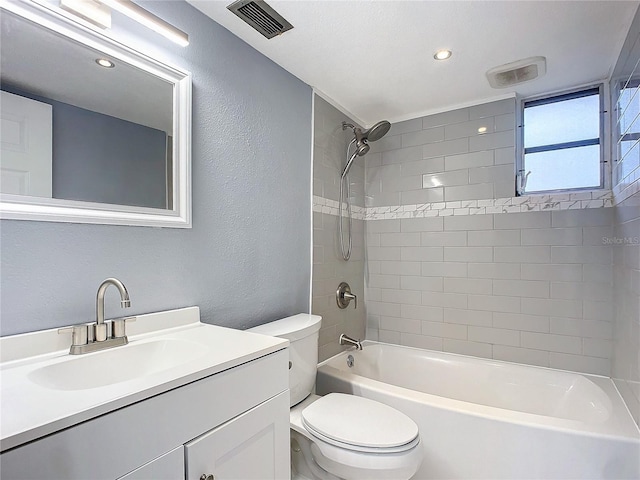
(15,207)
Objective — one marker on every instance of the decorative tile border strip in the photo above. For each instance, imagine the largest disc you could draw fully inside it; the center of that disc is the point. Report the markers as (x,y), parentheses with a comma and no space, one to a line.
(331,207)
(530,203)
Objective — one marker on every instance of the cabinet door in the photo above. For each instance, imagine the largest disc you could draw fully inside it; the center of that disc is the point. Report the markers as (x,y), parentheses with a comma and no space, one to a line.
(252,446)
(169,466)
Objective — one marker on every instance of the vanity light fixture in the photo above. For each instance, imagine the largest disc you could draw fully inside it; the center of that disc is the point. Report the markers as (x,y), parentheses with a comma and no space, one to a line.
(442,54)
(98,12)
(103,62)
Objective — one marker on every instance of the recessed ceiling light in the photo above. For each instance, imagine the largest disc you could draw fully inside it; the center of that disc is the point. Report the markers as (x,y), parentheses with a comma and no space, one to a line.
(442,54)
(103,62)
(482,130)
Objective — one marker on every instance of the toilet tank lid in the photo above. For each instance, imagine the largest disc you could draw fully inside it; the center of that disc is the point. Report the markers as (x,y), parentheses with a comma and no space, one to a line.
(292,328)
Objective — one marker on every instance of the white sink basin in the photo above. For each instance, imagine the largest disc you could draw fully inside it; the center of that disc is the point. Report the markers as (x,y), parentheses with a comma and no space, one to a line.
(116,365)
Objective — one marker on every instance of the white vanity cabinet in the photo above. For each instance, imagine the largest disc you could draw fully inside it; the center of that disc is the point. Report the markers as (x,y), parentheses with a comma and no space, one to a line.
(232,425)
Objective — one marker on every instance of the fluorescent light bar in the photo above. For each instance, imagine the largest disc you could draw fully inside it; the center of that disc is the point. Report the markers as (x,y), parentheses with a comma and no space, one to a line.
(92,12)
(149,20)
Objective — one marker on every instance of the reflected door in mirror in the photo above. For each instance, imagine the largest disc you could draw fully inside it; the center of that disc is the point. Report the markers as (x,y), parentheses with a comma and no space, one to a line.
(26,147)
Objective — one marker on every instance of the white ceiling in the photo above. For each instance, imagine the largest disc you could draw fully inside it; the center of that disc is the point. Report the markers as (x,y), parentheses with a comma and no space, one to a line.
(375,58)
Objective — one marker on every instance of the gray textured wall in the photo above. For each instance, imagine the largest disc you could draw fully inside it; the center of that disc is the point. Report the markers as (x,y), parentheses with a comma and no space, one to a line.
(246,260)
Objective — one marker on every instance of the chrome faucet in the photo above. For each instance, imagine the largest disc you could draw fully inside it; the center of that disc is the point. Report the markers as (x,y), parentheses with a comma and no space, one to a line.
(125,302)
(346,340)
(91,337)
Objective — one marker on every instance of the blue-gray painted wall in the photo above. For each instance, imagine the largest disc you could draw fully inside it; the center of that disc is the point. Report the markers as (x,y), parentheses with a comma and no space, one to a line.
(100,158)
(246,260)
(107,160)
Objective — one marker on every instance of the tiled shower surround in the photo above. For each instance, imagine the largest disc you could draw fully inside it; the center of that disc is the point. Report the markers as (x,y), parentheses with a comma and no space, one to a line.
(532,288)
(626,258)
(454,261)
(329,269)
(467,267)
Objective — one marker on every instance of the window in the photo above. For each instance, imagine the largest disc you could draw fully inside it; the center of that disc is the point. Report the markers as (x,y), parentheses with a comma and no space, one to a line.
(561,143)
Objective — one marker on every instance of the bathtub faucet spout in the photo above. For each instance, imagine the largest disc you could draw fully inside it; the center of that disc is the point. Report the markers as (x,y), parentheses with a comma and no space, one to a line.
(346,340)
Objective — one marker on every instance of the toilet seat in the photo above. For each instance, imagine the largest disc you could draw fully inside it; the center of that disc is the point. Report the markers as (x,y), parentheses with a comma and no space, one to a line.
(346,460)
(359,424)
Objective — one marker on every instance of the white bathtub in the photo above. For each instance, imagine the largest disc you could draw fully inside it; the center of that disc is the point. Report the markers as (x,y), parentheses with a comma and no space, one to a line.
(486,419)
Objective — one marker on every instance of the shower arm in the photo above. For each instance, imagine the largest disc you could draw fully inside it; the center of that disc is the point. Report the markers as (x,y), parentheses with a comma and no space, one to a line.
(357,132)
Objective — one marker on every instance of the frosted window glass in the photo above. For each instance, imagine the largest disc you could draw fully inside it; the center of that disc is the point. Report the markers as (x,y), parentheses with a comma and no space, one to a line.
(562,121)
(563,169)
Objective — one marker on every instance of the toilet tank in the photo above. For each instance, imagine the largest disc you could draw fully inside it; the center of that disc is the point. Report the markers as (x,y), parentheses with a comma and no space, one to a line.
(302,332)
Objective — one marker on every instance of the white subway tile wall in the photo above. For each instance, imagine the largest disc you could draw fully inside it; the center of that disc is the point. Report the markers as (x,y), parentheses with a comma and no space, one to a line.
(462,265)
(534,290)
(626,236)
(329,269)
(625,243)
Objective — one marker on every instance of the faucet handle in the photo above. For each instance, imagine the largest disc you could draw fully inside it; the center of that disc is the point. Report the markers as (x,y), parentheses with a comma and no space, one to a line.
(344,296)
(101,332)
(118,329)
(351,296)
(79,333)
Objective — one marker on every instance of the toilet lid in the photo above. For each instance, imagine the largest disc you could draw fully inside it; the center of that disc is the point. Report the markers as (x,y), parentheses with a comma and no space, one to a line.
(359,422)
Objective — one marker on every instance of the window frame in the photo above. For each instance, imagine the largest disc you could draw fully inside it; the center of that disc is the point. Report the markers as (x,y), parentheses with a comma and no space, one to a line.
(578,92)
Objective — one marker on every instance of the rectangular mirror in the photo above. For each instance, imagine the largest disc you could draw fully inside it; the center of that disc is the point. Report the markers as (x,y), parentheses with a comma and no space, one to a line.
(92,131)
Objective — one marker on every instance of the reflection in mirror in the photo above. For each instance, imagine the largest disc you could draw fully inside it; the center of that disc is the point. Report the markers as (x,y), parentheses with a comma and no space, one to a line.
(88,123)
(625,93)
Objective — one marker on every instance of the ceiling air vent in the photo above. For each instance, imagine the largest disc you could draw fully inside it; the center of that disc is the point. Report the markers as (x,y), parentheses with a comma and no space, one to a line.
(261,17)
(517,72)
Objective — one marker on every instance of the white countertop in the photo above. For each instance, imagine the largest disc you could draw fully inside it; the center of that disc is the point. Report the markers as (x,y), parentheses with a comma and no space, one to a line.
(31,409)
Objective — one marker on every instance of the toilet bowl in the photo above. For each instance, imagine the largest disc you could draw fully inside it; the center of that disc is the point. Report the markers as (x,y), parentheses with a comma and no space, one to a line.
(340,436)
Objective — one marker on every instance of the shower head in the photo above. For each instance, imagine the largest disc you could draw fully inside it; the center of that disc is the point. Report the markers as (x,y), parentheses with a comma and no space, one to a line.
(378,131)
(361,140)
(373,134)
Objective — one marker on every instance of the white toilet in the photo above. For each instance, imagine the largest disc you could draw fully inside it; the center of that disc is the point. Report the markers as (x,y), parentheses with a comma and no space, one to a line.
(340,436)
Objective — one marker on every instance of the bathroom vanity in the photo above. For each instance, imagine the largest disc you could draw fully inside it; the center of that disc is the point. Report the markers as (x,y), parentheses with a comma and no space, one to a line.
(183,400)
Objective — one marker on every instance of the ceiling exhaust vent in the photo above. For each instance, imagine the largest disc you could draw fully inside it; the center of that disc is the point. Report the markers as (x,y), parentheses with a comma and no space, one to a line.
(518,72)
(261,17)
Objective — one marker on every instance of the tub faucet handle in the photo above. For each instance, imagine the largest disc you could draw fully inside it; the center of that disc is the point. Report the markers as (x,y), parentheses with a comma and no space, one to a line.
(344,296)
(351,296)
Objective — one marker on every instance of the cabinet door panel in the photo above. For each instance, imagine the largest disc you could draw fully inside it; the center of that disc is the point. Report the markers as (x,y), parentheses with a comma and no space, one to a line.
(252,446)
